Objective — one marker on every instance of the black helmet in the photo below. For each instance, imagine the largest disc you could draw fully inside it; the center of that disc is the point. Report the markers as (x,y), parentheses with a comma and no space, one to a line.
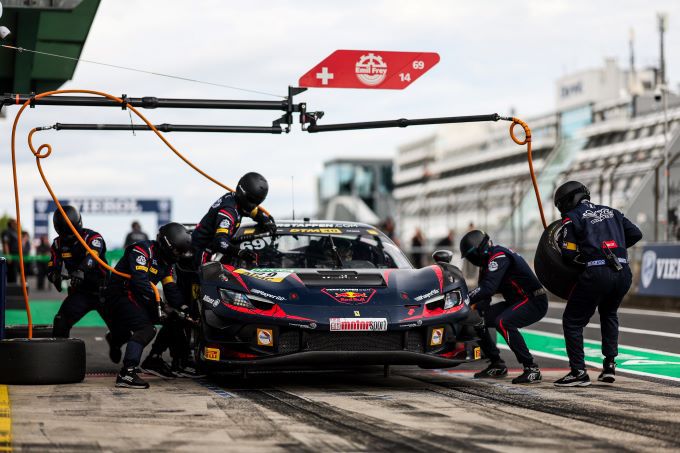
(474,246)
(252,189)
(60,224)
(569,194)
(174,241)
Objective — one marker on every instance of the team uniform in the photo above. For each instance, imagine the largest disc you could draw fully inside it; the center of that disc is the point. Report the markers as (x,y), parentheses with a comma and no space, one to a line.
(596,237)
(525,301)
(131,302)
(69,259)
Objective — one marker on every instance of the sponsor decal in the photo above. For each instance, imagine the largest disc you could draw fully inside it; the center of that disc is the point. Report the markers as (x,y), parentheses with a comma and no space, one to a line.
(437,337)
(248,231)
(598,216)
(356,313)
(412,324)
(266,294)
(226,223)
(96,243)
(265,337)
(610,244)
(195,291)
(350,295)
(493,266)
(316,230)
(217,203)
(311,325)
(142,268)
(209,300)
(371,70)
(141,260)
(477,353)
(264,274)
(434,292)
(153,270)
(373,232)
(358,324)
(66,255)
(648,267)
(211,354)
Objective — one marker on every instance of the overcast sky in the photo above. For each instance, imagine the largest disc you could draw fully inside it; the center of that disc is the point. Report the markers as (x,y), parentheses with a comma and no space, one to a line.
(494,56)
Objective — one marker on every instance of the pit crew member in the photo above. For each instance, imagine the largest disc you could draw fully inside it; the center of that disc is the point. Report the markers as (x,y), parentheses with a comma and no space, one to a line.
(70,260)
(504,271)
(594,237)
(132,303)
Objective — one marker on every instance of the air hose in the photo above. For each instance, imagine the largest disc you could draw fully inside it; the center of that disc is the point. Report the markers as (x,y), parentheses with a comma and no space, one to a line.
(44,151)
(527,141)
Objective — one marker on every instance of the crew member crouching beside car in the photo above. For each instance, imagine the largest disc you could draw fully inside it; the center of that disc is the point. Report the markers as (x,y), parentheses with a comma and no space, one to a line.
(504,271)
(131,302)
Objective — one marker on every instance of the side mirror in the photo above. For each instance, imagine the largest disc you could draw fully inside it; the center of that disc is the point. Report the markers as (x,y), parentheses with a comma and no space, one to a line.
(442,256)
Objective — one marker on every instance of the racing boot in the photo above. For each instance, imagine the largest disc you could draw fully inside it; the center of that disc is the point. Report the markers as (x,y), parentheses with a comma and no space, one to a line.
(155,365)
(115,353)
(608,371)
(531,375)
(575,378)
(495,370)
(187,370)
(129,378)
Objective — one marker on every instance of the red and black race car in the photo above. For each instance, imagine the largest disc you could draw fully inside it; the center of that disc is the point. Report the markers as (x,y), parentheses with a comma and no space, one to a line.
(330,293)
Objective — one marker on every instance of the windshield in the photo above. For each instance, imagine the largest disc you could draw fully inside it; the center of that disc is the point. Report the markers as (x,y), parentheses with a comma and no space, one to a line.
(327,251)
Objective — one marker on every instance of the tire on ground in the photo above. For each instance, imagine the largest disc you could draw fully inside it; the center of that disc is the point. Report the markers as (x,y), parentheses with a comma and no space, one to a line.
(21,331)
(557,276)
(42,361)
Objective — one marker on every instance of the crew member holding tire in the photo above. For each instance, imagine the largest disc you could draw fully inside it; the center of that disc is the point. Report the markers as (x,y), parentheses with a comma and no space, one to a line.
(69,259)
(131,302)
(215,230)
(504,271)
(594,237)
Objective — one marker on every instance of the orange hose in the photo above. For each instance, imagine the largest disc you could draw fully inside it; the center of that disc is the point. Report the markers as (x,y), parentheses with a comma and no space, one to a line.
(47,148)
(527,141)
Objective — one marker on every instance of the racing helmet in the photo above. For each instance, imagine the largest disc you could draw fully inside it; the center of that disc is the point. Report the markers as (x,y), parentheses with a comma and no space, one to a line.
(474,245)
(61,225)
(344,248)
(569,195)
(174,241)
(251,190)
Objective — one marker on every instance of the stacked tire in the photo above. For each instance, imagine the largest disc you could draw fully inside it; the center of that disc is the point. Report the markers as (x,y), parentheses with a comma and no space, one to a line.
(557,276)
(42,361)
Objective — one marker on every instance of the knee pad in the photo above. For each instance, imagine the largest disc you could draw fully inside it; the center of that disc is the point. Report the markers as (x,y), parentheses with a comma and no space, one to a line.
(144,335)
(61,327)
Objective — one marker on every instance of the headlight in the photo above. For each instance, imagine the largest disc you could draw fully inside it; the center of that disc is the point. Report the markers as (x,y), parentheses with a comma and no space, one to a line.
(452,299)
(236,299)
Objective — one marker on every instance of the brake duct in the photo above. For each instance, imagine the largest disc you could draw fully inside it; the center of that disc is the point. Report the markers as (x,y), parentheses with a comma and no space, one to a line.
(308,121)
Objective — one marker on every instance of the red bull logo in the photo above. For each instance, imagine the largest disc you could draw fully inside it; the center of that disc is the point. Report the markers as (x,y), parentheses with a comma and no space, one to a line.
(350,296)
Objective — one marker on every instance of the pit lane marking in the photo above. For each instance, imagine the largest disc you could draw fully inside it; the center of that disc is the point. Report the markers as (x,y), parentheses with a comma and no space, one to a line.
(594,325)
(629,311)
(5,420)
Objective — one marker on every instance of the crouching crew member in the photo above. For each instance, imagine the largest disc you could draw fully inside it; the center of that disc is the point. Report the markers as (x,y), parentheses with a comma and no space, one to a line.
(132,303)
(594,237)
(70,260)
(213,234)
(504,271)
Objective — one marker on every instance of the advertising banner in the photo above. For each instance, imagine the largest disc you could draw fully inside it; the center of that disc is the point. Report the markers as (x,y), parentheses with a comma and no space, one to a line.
(660,270)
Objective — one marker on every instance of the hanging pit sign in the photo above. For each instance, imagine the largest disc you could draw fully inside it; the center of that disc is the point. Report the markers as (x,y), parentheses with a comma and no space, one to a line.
(660,270)
(374,69)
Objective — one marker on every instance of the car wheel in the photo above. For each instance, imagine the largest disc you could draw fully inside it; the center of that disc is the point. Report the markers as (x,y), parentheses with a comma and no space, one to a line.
(42,361)
(557,276)
(21,331)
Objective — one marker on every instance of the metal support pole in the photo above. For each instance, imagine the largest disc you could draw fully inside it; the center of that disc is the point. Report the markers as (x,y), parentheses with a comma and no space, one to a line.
(169,128)
(656,204)
(666,166)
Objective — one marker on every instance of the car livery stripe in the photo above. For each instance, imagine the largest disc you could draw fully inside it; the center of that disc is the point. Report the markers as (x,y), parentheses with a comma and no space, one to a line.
(231,270)
(440,276)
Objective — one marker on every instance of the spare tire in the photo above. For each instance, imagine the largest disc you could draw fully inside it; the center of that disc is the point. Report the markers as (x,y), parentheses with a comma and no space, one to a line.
(21,331)
(557,276)
(42,361)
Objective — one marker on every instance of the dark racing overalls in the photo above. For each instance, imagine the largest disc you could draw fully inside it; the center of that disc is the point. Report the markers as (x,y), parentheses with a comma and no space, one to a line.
(131,302)
(596,238)
(506,272)
(69,257)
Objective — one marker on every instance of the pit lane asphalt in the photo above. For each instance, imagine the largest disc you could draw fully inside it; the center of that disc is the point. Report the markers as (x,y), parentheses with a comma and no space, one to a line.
(356,410)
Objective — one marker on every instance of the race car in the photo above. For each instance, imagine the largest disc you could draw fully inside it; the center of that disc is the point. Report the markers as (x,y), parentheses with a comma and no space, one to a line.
(331,294)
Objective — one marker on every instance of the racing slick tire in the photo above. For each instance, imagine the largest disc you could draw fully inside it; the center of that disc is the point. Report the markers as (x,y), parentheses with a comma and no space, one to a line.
(21,331)
(557,276)
(41,361)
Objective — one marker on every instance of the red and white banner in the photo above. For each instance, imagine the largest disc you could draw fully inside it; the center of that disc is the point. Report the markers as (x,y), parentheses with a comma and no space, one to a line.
(375,69)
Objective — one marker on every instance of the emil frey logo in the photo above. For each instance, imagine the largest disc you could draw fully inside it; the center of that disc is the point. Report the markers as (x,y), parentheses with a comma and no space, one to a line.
(371,70)
(648,267)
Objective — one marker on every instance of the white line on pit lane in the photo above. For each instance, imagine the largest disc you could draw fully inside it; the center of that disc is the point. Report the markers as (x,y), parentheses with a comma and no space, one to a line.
(629,311)
(594,325)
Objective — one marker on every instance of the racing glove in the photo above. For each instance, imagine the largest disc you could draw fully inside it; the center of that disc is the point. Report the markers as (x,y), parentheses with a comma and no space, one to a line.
(77,278)
(55,279)
(248,255)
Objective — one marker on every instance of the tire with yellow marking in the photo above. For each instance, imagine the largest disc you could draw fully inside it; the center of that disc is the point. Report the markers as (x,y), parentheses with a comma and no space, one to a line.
(40,361)
(557,276)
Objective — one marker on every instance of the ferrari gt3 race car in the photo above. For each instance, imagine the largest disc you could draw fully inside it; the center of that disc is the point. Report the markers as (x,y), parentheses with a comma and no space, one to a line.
(331,294)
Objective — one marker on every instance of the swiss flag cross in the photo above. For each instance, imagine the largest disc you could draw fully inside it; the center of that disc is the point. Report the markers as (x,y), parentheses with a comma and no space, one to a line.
(372,69)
